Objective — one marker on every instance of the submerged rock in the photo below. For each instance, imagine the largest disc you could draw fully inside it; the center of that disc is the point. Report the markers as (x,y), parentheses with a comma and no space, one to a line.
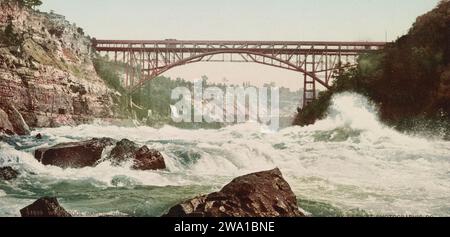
(45,207)
(148,159)
(123,151)
(143,158)
(74,154)
(7,173)
(89,153)
(263,194)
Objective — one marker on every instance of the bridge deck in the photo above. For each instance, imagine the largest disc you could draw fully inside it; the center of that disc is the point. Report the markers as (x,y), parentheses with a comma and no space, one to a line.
(264,47)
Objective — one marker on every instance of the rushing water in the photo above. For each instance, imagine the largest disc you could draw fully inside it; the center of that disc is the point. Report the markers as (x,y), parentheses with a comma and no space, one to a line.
(346,164)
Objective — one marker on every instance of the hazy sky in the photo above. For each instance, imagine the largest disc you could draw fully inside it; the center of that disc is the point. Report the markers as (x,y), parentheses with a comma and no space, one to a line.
(242,20)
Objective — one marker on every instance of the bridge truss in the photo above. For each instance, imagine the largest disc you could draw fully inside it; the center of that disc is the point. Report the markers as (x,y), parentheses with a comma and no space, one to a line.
(315,61)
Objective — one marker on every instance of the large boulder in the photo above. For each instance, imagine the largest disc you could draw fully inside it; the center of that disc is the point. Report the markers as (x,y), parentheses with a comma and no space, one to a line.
(143,158)
(45,207)
(74,154)
(263,194)
(89,153)
(7,173)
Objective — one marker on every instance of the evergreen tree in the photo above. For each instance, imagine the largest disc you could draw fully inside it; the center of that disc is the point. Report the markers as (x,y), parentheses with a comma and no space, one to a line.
(28,3)
(32,3)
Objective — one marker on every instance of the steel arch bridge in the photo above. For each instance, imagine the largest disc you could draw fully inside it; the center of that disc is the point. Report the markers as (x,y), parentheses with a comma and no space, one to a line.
(315,61)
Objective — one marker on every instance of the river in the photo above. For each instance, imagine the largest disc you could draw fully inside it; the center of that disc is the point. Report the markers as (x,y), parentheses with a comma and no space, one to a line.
(348,164)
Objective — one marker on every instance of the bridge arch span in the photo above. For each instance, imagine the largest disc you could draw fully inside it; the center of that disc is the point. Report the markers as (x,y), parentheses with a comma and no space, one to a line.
(200,58)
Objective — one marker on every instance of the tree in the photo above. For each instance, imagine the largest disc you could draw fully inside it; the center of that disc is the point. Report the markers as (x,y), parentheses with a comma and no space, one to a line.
(8,36)
(32,3)
(28,3)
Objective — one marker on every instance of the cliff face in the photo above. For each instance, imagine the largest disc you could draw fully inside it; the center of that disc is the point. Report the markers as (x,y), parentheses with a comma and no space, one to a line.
(46,71)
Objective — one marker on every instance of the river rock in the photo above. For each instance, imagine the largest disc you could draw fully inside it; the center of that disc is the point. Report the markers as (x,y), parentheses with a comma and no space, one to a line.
(45,207)
(143,158)
(7,173)
(263,194)
(148,159)
(74,154)
(38,136)
(89,153)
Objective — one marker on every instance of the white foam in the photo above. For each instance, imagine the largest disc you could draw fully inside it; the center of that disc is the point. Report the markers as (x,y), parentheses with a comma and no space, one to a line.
(348,159)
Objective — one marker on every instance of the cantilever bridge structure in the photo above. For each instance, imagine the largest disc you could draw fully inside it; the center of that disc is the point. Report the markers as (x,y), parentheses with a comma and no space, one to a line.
(317,62)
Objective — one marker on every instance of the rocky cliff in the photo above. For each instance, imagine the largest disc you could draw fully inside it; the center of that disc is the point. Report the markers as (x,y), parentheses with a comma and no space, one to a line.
(46,72)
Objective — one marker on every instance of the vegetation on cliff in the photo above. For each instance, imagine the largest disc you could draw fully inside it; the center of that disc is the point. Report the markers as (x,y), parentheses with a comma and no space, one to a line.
(26,3)
(409,79)
(155,97)
(107,71)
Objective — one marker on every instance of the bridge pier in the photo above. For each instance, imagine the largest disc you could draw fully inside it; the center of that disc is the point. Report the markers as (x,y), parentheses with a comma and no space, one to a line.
(309,83)
(309,90)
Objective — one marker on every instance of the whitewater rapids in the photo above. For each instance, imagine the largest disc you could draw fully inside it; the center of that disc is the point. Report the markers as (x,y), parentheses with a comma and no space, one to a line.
(347,164)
